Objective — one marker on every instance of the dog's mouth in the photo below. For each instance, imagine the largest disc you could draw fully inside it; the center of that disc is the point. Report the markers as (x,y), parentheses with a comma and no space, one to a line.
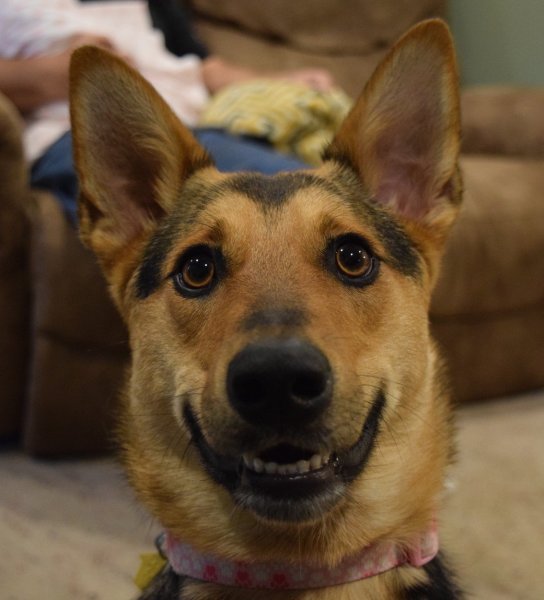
(287,482)
(285,459)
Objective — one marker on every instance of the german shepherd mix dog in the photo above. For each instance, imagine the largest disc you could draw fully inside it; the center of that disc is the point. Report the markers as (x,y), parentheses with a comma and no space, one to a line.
(285,418)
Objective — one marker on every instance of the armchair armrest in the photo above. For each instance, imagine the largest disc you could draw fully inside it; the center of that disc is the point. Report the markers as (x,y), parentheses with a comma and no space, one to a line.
(14,291)
(503,120)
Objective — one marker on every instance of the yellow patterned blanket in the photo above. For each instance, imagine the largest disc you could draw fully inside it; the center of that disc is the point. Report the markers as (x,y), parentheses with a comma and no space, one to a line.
(293,117)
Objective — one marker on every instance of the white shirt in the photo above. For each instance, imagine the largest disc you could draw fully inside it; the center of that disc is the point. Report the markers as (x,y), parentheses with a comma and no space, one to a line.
(36,27)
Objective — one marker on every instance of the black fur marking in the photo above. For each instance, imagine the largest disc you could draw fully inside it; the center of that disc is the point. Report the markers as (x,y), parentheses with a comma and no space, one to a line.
(441,584)
(402,252)
(339,156)
(149,274)
(194,198)
(167,585)
(268,191)
(270,317)
(403,255)
(272,191)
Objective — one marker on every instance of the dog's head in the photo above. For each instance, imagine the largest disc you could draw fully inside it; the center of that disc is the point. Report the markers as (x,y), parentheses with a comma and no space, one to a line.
(283,381)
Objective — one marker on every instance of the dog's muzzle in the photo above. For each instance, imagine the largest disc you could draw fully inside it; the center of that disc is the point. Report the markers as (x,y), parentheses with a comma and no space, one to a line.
(281,387)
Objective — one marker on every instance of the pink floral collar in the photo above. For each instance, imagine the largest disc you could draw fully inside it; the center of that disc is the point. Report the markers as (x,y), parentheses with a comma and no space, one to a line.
(377,558)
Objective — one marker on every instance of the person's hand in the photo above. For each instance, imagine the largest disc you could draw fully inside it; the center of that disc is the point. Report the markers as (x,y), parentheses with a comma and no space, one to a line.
(34,82)
(85,39)
(317,79)
(219,73)
(56,67)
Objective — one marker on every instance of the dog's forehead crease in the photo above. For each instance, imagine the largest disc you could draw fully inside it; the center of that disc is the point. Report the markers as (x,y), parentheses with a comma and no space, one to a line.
(266,191)
(271,193)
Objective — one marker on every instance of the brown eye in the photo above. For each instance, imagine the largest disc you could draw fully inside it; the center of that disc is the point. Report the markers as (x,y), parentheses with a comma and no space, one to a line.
(353,260)
(198,271)
(196,274)
(350,258)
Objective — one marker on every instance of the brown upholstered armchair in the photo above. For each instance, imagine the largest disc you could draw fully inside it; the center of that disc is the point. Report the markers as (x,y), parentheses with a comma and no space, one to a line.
(62,345)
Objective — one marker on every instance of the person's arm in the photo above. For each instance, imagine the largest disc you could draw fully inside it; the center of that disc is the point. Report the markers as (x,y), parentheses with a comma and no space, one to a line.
(181,38)
(219,73)
(34,82)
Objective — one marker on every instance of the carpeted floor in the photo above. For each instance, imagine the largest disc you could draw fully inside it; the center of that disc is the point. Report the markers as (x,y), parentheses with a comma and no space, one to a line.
(70,530)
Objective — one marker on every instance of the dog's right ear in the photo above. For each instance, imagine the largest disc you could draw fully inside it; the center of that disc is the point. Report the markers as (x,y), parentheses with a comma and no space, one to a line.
(402,137)
(132,156)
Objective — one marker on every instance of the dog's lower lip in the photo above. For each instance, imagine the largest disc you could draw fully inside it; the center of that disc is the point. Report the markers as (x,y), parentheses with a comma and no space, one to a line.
(292,486)
(289,497)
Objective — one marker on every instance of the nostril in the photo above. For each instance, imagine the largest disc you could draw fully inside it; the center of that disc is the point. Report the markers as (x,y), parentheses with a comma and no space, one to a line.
(308,386)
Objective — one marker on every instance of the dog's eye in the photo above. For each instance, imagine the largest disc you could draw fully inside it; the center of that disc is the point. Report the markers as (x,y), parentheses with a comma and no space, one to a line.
(196,272)
(353,261)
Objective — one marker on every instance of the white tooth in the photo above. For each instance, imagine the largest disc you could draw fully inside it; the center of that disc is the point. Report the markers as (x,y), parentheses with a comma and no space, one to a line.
(315,462)
(325,459)
(247,460)
(258,465)
(282,469)
(303,466)
(292,469)
(271,467)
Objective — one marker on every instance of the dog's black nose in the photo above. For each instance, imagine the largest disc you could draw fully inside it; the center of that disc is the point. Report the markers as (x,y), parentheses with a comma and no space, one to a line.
(279,382)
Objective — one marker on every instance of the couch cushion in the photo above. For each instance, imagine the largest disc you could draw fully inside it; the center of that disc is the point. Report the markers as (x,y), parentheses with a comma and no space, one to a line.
(495,256)
(73,397)
(322,26)
(348,41)
(492,354)
(503,120)
(80,345)
(71,298)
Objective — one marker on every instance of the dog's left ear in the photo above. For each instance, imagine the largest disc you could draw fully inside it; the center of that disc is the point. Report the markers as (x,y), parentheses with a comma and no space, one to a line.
(131,152)
(403,135)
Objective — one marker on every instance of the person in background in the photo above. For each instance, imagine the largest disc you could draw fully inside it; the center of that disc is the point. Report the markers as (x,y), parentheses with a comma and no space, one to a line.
(37,38)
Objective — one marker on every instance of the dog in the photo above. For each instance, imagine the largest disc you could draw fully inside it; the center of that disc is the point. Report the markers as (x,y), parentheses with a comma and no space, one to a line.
(286,417)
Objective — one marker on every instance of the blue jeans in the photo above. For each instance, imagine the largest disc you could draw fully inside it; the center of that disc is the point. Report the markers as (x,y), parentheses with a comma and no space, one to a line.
(54,170)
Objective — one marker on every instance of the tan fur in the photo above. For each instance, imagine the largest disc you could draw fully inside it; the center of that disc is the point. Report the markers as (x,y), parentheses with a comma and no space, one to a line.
(182,348)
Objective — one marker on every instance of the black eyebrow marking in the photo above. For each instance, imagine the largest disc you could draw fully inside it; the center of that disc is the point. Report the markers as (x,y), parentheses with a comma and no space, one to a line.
(266,190)
(273,190)
(194,197)
(149,273)
(401,250)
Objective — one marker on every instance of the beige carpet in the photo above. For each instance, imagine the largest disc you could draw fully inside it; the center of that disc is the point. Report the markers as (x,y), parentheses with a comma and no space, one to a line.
(70,530)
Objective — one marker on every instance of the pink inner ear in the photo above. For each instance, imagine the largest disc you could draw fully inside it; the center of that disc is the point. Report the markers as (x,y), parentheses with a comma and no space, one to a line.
(407,177)
(131,203)
(408,148)
(401,192)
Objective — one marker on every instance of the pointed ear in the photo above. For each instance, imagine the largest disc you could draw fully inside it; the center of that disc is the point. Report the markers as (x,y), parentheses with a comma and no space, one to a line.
(131,152)
(402,136)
